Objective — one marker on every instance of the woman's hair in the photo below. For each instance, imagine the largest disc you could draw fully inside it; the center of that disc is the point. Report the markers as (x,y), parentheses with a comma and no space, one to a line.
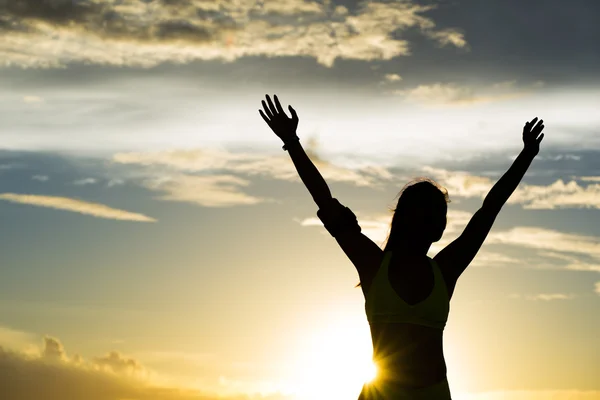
(422,194)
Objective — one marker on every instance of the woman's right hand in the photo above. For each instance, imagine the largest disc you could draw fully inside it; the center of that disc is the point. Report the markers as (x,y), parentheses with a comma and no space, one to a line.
(278,121)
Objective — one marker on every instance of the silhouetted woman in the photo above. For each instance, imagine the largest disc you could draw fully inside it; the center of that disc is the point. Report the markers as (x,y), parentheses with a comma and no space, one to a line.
(406,293)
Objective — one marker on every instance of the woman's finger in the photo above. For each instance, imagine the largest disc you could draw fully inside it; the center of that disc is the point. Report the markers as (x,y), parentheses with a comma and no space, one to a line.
(539,140)
(278,105)
(293,112)
(272,107)
(267,120)
(267,111)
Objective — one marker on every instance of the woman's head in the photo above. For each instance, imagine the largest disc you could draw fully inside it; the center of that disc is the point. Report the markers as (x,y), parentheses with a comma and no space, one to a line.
(420,213)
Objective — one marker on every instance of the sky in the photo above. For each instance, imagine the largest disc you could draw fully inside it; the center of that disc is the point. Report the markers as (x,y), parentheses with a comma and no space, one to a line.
(157,243)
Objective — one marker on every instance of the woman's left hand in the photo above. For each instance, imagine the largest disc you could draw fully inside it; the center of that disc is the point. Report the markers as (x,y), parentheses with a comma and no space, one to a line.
(531,135)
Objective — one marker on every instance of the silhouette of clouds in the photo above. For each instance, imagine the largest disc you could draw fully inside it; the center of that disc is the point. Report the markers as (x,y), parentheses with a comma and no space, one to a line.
(51,374)
(141,33)
(75,205)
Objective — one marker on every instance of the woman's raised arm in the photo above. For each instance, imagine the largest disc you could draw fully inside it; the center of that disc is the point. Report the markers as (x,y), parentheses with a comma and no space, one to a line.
(285,128)
(501,191)
(457,256)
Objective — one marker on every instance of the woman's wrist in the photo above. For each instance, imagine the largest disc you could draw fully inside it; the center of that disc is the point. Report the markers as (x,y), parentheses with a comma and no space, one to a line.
(291,141)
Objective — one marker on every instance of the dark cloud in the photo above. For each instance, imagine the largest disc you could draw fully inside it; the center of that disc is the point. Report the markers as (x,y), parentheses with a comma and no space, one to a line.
(101,18)
(541,40)
(549,40)
(53,350)
(118,363)
(25,377)
(59,12)
(182,30)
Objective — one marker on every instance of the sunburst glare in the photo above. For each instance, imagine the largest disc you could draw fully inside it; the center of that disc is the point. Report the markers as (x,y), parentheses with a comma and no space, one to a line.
(333,363)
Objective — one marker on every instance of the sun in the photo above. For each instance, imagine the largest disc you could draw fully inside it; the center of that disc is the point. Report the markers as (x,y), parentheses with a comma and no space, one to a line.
(334,362)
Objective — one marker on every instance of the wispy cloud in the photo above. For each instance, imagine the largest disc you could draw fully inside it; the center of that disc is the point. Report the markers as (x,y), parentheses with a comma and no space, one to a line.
(33,99)
(392,77)
(41,178)
(115,182)
(85,181)
(554,196)
(548,239)
(554,296)
(590,178)
(75,205)
(532,395)
(215,189)
(142,33)
(543,296)
(597,287)
(452,94)
(252,164)
(207,191)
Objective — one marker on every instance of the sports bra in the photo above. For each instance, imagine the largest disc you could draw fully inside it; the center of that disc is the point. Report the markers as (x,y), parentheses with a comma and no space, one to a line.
(382,304)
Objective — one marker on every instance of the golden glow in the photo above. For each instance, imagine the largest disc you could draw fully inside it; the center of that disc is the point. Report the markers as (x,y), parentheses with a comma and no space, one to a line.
(334,362)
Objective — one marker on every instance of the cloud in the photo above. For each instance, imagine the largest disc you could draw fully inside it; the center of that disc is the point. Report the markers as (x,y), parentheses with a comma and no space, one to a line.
(452,94)
(207,191)
(543,296)
(15,339)
(252,164)
(116,362)
(554,196)
(214,188)
(597,288)
(547,239)
(115,182)
(568,247)
(392,77)
(85,181)
(53,350)
(75,205)
(582,266)
(51,375)
(590,178)
(141,33)
(551,296)
(532,395)
(557,195)
(377,228)
(41,178)
(33,99)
